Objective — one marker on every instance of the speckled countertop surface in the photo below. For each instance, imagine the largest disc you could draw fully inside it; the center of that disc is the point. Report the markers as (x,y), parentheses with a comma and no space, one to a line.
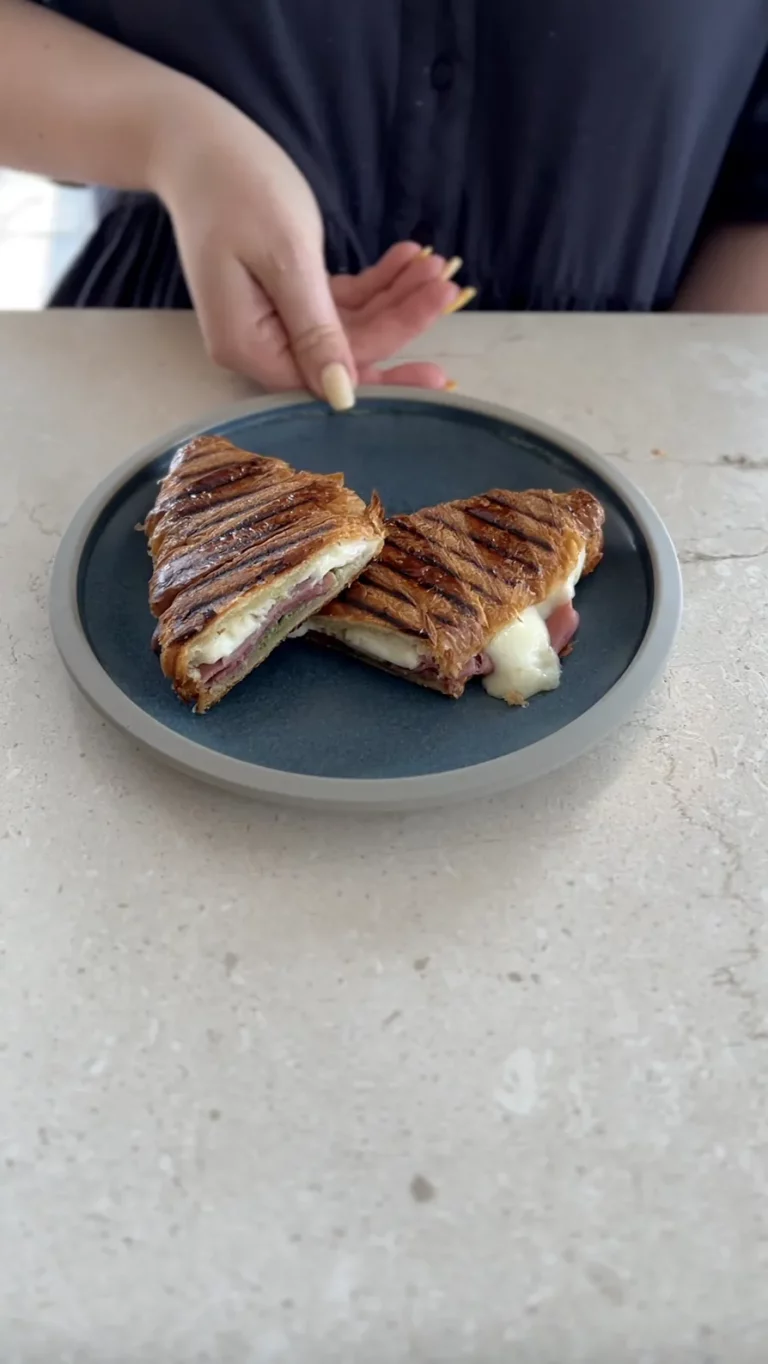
(485,1085)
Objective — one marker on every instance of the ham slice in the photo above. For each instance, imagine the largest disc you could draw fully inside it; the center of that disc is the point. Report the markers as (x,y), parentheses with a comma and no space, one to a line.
(479,666)
(303,593)
(562,626)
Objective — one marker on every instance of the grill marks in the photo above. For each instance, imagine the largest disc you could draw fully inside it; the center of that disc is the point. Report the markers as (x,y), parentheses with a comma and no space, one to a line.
(194,607)
(460,543)
(515,517)
(498,498)
(385,594)
(227,522)
(413,588)
(491,558)
(490,520)
(411,566)
(367,606)
(198,516)
(457,573)
(441,553)
(214,458)
(211,553)
(204,472)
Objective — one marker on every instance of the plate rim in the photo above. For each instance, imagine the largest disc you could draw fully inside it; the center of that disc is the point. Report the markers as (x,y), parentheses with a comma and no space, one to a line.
(455,785)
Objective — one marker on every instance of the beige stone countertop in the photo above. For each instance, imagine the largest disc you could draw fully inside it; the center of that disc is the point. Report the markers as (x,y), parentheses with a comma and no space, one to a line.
(488,1084)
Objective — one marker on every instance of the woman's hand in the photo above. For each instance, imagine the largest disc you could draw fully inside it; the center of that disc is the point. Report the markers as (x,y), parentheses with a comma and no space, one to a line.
(389,305)
(77,106)
(250,237)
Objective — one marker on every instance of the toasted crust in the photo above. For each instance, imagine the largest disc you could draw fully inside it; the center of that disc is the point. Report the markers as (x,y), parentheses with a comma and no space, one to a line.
(228,527)
(454,575)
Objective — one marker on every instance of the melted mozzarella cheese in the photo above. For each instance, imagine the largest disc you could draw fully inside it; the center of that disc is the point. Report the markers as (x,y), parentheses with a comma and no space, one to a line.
(238,625)
(386,646)
(523,659)
(561,595)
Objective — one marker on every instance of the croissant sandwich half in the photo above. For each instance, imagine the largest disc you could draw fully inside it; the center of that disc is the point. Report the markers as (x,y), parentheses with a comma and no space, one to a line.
(482,587)
(244,549)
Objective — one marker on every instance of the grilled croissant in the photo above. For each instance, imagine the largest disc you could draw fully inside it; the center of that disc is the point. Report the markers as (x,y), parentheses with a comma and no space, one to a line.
(482,587)
(245,548)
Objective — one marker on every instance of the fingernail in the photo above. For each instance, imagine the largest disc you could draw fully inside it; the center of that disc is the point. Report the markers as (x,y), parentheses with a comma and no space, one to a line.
(451,268)
(450,386)
(464,297)
(426,251)
(337,387)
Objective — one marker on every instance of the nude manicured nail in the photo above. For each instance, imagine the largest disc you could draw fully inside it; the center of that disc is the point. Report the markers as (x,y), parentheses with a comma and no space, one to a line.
(464,297)
(451,268)
(425,252)
(337,387)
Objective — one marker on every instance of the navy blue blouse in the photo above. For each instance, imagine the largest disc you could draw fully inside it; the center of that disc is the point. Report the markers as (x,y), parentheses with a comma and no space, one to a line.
(572,151)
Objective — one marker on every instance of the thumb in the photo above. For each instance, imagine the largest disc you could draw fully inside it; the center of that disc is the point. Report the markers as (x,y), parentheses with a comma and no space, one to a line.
(302,297)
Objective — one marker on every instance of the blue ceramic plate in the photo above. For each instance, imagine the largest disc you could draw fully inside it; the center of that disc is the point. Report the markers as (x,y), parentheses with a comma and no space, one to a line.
(315,726)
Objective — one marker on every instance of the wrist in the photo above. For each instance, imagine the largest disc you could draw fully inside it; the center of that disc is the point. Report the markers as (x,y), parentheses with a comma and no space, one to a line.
(176,125)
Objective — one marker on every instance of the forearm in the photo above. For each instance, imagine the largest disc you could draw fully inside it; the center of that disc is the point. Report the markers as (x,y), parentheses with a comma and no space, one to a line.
(78,107)
(730,273)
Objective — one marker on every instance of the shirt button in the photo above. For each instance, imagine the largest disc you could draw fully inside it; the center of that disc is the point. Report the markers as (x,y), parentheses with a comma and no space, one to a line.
(443,71)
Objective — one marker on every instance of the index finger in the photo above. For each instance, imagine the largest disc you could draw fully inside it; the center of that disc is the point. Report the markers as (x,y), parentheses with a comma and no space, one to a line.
(355,291)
